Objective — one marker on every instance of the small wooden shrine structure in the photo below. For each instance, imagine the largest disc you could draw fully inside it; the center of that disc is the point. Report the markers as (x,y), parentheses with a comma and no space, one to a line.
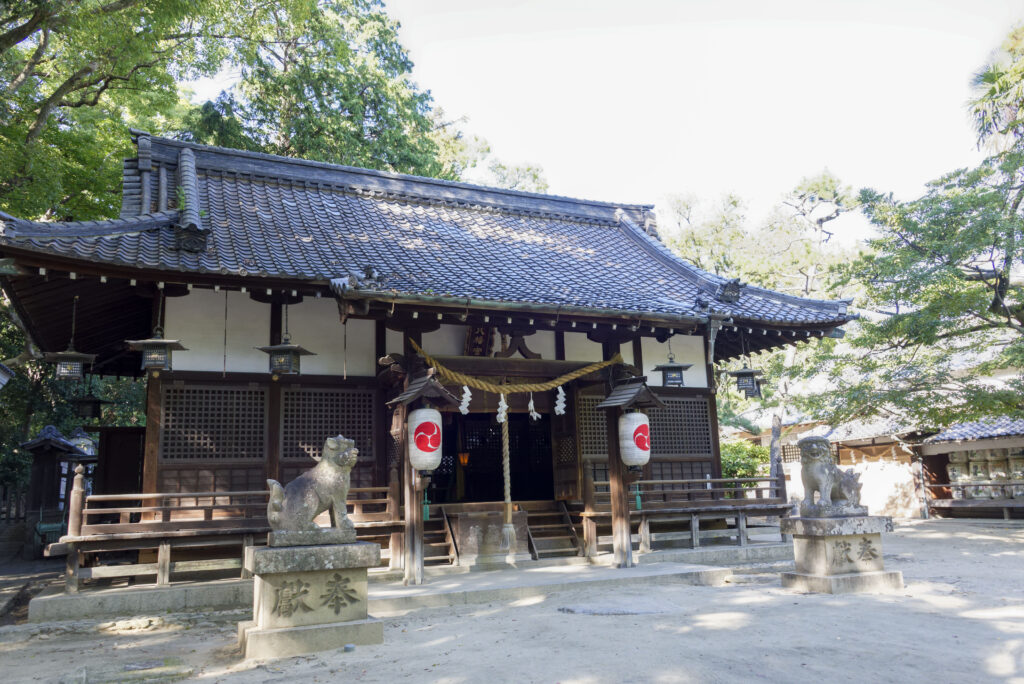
(225,252)
(54,458)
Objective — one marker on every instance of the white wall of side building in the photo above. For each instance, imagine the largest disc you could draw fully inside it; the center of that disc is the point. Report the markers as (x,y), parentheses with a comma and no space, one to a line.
(887,487)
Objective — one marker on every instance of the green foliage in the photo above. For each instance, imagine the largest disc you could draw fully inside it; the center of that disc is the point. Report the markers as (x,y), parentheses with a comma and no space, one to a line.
(34,399)
(999,95)
(791,252)
(944,295)
(743,458)
(525,177)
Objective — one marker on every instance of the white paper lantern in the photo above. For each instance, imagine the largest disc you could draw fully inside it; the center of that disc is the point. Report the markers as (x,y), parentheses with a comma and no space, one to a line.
(634,439)
(425,438)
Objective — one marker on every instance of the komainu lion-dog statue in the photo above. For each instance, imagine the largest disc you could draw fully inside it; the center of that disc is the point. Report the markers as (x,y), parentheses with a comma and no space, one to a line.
(324,487)
(838,490)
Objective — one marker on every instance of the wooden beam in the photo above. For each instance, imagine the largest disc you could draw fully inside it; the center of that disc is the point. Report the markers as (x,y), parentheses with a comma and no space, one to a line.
(151,451)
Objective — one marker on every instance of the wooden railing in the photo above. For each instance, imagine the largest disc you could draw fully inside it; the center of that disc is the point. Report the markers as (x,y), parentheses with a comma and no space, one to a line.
(675,493)
(101,523)
(685,502)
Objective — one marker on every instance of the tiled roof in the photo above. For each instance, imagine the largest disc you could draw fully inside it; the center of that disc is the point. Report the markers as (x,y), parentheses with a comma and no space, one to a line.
(375,234)
(1001,427)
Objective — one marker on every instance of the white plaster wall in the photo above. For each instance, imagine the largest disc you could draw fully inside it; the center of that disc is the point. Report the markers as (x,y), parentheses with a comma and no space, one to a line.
(579,348)
(197,319)
(448,340)
(394,343)
(887,488)
(542,342)
(686,348)
(315,324)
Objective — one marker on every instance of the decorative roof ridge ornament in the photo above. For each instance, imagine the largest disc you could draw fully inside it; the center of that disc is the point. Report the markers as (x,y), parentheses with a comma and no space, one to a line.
(730,291)
(191,234)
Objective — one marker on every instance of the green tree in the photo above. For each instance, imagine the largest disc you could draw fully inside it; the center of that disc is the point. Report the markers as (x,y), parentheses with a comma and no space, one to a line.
(942,339)
(743,458)
(329,81)
(944,301)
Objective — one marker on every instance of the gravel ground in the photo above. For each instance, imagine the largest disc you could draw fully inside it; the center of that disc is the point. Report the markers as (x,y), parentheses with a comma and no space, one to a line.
(960,618)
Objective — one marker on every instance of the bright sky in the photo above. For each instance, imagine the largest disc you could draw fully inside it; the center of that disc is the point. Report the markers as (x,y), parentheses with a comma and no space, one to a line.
(632,101)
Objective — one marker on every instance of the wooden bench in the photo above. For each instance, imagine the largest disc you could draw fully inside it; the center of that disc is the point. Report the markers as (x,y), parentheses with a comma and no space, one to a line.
(222,523)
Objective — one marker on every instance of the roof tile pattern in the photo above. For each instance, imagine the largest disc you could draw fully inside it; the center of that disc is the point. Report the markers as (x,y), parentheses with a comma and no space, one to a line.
(317,232)
(1001,427)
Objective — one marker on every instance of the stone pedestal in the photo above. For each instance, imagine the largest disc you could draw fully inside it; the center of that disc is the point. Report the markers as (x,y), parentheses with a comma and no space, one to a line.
(839,555)
(478,536)
(309,598)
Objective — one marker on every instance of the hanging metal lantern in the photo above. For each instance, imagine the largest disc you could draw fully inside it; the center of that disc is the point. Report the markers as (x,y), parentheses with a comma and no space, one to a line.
(747,381)
(70,364)
(672,372)
(634,439)
(425,439)
(156,351)
(284,357)
(89,406)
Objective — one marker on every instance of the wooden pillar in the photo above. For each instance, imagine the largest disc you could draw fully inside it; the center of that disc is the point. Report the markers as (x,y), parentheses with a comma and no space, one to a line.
(396,543)
(411,484)
(716,449)
(622,543)
(589,524)
(274,403)
(151,452)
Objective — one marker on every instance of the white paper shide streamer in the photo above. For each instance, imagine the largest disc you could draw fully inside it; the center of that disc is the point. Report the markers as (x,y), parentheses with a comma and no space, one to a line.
(533,410)
(560,402)
(466,396)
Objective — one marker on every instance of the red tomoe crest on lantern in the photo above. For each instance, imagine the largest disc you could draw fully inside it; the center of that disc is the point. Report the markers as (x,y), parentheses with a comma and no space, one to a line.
(634,439)
(425,438)
(642,437)
(428,437)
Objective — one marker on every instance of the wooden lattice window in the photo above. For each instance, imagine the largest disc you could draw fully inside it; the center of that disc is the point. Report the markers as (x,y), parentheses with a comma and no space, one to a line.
(591,427)
(212,478)
(682,428)
(311,415)
(203,423)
